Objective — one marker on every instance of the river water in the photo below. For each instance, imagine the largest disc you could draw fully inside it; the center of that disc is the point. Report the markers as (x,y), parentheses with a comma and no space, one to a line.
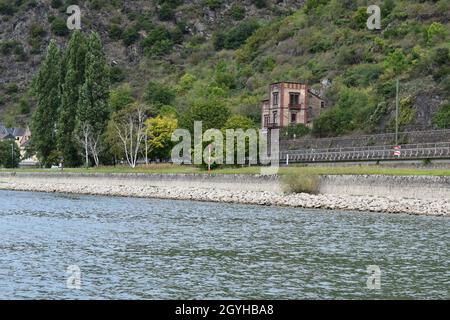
(156,249)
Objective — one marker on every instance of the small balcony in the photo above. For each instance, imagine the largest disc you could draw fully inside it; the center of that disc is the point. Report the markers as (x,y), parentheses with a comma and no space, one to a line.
(295,106)
(272,125)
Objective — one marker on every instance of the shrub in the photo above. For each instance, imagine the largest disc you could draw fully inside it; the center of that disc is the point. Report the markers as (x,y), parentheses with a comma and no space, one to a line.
(32,4)
(19,53)
(387,7)
(24,106)
(299,130)
(224,78)
(159,94)
(396,61)
(160,48)
(250,49)
(441,56)
(56,4)
(9,47)
(161,40)
(436,31)
(121,98)
(349,55)
(213,4)
(332,122)
(158,34)
(116,74)
(130,36)
(166,12)
(95,4)
(37,31)
(12,88)
(115,32)
(407,112)
(442,117)
(186,82)
(7,7)
(268,64)
(236,36)
(445,84)
(362,75)
(144,22)
(260,3)
(360,18)
(311,5)
(237,12)
(59,27)
(300,182)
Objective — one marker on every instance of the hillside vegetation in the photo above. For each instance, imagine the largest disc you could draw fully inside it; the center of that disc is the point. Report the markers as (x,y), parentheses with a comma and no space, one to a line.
(186,56)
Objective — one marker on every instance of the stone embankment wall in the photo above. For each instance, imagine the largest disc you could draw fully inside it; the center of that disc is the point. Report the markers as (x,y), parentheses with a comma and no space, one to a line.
(408,187)
(413,187)
(232,182)
(406,195)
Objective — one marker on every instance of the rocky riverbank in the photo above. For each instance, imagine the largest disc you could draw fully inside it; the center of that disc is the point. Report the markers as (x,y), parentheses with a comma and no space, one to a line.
(328,201)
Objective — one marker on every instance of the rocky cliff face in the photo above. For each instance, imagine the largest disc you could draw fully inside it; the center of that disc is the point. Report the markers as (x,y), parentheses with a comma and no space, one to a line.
(327,46)
(26,27)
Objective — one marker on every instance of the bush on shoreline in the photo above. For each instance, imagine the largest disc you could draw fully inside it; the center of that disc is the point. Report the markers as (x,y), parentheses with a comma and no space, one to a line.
(300,183)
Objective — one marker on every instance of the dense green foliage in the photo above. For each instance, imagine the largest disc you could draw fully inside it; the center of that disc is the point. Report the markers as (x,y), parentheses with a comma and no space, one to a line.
(72,93)
(294,131)
(328,39)
(9,154)
(47,90)
(74,63)
(59,27)
(300,182)
(442,118)
(93,98)
(235,37)
(219,70)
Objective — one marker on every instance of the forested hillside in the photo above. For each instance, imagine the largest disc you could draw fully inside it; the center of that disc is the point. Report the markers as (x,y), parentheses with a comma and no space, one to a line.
(176,55)
(144,40)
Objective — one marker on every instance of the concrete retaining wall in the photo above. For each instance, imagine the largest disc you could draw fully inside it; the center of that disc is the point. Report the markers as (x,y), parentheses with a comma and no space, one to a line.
(414,187)
(231,182)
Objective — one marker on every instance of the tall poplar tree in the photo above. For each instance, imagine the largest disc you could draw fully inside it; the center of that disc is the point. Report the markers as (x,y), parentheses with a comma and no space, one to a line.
(93,110)
(47,89)
(74,63)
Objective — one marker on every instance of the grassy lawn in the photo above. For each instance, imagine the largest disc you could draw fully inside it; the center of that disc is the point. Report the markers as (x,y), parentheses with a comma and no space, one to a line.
(173,169)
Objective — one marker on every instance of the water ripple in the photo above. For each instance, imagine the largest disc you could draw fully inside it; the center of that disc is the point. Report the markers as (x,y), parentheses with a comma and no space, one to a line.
(154,249)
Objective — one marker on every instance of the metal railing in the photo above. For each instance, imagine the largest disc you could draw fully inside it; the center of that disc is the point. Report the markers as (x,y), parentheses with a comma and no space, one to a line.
(373,153)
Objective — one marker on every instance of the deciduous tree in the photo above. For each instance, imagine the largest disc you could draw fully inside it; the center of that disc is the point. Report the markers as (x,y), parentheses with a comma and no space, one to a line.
(159,133)
(129,125)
